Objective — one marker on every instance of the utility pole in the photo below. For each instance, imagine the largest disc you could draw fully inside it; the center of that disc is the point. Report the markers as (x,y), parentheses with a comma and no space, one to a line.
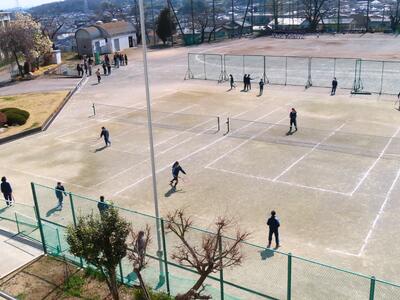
(233,21)
(193,33)
(338,18)
(252,15)
(367,25)
(213,10)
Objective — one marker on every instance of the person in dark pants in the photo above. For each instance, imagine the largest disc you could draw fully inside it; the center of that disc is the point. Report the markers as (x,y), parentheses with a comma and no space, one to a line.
(249,79)
(245,82)
(7,191)
(334,86)
(176,168)
(126,59)
(293,121)
(104,68)
(231,81)
(261,84)
(60,193)
(102,205)
(109,68)
(98,76)
(273,224)
(79,69)
(106,135)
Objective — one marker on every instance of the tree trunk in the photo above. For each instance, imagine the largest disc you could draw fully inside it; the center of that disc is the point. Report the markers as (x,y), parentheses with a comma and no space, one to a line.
(114,285)
(192,292)
(142,285)
(18,65)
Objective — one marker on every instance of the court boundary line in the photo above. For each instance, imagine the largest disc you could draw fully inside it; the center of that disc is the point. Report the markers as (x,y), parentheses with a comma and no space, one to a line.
(308,153)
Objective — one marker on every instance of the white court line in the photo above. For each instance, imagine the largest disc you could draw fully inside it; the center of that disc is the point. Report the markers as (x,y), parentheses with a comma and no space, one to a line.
(158,154)
(248,140)
(308,153)
(381,210)
(279,181)
(93,145)
(182,158)
(374,163)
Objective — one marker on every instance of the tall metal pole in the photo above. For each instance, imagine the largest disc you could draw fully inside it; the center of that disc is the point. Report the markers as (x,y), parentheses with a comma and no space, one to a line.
(192,12)
(150,128)
(367,25)
(233,20)
(338,17)
(213,11)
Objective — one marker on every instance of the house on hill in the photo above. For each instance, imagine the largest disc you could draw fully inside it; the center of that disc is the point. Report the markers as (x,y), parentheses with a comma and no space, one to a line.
(104,38)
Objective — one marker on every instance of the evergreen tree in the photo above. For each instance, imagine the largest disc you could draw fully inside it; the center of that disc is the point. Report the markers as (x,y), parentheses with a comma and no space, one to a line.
(165,25)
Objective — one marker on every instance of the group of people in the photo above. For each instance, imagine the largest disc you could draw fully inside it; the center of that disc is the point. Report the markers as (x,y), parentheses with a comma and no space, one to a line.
(247,83)
(85,67)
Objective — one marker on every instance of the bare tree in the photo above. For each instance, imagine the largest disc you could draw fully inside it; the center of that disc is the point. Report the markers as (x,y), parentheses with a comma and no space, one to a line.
(314,11)
(140,241)
(214,253)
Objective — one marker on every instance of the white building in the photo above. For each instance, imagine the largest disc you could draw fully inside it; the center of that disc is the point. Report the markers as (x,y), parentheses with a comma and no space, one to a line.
(5,18)
(105,38)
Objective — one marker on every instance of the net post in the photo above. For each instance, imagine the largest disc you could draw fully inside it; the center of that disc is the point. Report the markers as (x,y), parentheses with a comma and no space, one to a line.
(221,272)
(243,65)
(71,201)
(37,212)
(16,221)
(372,288)
(289,277)
(265,67)
(165,256)
(59,242)
(205,70)
(219,125)
(334,67)
(227,126)
(382,72)
(285,70)
(94,109)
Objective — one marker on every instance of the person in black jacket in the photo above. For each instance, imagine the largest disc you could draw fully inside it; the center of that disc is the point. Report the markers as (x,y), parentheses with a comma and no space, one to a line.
(106,135)
(102,205)
(231,81)
(176,168)
(334,86)
(273,224)
(293,119)
(6,190)
(60,193)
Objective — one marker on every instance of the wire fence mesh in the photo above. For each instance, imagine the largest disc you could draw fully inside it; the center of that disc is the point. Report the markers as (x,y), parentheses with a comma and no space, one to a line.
(361,76)
(264,273)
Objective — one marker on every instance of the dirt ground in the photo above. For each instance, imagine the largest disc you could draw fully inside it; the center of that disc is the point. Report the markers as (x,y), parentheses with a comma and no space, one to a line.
(39,105)
(334,183)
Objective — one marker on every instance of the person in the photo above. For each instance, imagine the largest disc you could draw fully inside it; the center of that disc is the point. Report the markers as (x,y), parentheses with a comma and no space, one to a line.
(102,205)
(85,66)
(249,79)
(106,135)
(176,168)
(293,117)
(261,84)
(109,68)
(98,76)
(60,193)
(140,247)
(90,64)
(334,86)
(126,60)
(273,224)
(79,69)
(104,68)
(232,81)
(398,100)
(121,59)
(245,82)
(7,191)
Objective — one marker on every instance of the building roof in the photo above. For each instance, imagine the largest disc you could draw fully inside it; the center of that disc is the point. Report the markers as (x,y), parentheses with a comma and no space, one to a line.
(333,21)
(116,28)
(289,21)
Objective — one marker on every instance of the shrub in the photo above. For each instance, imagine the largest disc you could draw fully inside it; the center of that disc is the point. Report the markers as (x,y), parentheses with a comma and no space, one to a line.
(15,116)
(3,118)
(139,295)
(73,286)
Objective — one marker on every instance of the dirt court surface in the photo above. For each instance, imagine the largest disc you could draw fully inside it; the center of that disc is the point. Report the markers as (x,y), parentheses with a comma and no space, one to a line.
(334,183)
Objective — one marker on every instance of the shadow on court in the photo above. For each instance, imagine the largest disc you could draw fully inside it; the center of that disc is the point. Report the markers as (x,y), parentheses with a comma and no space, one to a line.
(172,191)
(53,210)
(100,149)
(267,253)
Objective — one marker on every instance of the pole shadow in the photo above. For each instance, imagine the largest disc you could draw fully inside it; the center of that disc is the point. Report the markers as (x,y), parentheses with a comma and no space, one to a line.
(267,253)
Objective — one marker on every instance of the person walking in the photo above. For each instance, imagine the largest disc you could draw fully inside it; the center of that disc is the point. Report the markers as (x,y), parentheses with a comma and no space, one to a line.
(245,83)
(90,65)
(334,86)
(126,59)
(6,191)
(109,68)
(249,79)
(98,76)
(231,82)
(273,225)
(60,193)
(176,168)
(293,120)
(102,205)
(106,135)
(104,68)
(79,69)
(261,84)
(85,66)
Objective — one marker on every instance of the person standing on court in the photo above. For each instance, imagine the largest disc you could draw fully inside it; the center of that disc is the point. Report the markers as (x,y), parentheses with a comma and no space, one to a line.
(261,84)
(334,86)
(273,225)
(104,68)
(126,60)
(98,76)
(60,193)
(249,79)
(245,82)
(293,119)
(102,205)
(232,81)
(106,135)
(176,168)
(6,191)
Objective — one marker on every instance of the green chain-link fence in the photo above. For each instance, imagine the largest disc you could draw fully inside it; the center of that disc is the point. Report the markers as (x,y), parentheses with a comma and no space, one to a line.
(358,75)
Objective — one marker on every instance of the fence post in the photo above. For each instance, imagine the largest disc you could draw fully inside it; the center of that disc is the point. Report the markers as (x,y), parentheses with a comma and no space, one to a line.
(285,70)
(71,201)
(221,272)
(372,288)
(165,256)
(37,212)
(334,67)
(265,70)
(289,277)
(383,70)
(205,70)
(120,272)
(243,68)
(59,250)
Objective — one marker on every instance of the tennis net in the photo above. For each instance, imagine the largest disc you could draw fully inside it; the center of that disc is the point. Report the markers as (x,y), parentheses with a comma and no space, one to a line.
(168,120)
(335,140)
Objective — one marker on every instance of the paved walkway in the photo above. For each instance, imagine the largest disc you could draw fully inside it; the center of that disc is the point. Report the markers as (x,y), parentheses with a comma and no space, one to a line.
(15,252)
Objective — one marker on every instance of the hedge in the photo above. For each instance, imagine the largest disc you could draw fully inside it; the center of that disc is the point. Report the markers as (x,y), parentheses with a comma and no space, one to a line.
(15,116)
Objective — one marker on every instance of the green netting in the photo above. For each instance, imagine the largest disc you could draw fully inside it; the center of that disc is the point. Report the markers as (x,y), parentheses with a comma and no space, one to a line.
(386,291)
(26,225)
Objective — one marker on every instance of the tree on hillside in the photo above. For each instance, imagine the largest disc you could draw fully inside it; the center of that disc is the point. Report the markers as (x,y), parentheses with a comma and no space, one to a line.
(210,255)
(24,37)
(109,10)
(315,11)
(50,26)
(165,25)
(101,241)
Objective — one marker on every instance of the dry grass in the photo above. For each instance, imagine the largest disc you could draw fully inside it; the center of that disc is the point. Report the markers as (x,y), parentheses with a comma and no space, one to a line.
(39,105)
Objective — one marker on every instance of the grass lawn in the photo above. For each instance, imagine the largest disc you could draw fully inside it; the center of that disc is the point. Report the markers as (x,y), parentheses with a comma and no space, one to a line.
(39,105)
